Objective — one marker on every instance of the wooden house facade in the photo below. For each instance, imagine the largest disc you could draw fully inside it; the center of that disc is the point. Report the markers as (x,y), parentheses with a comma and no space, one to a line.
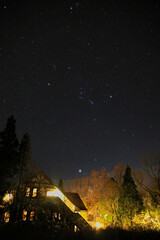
(42,201)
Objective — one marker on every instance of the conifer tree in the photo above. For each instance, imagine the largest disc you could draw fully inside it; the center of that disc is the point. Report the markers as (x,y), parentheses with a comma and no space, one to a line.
(8,154)
(130,202)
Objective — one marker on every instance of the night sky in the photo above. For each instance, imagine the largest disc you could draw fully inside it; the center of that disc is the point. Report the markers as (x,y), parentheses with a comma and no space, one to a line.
(83,79)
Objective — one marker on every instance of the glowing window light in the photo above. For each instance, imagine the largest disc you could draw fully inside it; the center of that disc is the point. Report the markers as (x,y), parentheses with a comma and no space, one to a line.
(6,217)
(54,193)
(31,215)
(27,191)
(34,192)
(24,217)
(75,228)
(50,193)
(8,197)
(98,225)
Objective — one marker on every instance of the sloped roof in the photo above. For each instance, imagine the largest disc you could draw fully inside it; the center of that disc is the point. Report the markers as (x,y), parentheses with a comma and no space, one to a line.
(48,178)
(41,178)
(75,199)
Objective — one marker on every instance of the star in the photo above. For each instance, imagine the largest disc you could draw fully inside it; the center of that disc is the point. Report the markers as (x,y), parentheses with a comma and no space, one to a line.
(80,170)
(91,102)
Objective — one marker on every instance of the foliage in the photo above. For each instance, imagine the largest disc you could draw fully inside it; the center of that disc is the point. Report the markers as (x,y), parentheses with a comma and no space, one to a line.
(151,169)
(108,205)
(99,192)
(14,161)
(112,199)
(8,154)
(130,202)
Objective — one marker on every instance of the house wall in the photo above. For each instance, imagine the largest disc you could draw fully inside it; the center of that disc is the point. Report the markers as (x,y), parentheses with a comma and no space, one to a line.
(39,186)
(55,192)
(84,214)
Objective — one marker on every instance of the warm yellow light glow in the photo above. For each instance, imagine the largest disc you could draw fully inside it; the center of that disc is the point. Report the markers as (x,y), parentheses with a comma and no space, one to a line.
(32,216)
(54,193)
(6,217)
(27,191)
(34,192)
(50,193)
(24,217)
(98,225)
(8,197)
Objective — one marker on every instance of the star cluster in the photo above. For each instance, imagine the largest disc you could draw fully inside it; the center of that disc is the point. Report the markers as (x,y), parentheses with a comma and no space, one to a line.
(82,77)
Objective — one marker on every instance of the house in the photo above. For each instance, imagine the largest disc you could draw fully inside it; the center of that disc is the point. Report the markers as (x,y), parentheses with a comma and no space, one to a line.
(41,201)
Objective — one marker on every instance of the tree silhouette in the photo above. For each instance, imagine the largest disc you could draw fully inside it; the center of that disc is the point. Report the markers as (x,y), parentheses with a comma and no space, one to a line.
(130,202)
(8,154)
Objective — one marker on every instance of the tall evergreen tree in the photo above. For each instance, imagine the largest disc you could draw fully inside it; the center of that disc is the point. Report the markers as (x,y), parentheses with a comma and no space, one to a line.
(8,154)
(130,202)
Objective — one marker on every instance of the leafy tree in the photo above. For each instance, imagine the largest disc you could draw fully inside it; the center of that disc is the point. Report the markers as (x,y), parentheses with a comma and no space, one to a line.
(130,202)
(8,154)
(151,182)
(108,204)
(118,173)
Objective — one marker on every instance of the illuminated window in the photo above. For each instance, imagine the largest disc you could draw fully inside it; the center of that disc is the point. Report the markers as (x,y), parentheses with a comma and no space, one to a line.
(27,191)
(55,215)
(34,192)
(50,193)
(24,217)
(8,197)
(6,217)
(31,216)
(54,193)
(75,228)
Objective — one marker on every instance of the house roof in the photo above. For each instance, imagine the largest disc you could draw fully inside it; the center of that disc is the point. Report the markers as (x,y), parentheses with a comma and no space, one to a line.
(42,178)
(48,178)
(76,200)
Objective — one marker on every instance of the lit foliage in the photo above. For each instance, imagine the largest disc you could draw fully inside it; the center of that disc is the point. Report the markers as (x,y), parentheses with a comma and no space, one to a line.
(108,204)
(130,202)
(116,201)
(149,218)
(100,193)
(98,225)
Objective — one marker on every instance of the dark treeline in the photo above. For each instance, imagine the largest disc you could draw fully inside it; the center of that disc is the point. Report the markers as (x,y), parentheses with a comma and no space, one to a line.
(125,200)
